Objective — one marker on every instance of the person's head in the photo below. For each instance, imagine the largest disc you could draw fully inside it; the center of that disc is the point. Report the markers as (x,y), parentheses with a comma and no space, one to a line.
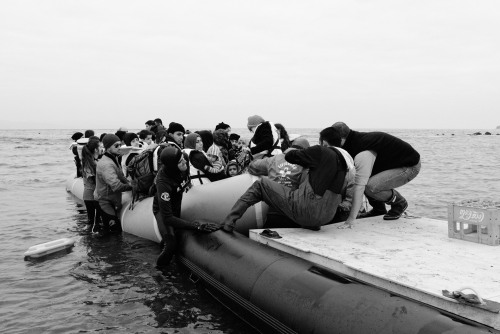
(146,136)
(233,138)
(176,131)
(158,121)
(254,121)
(193,141)
(120,134)
(90,153)
(329,137)
(220,138)
(343,130)
(300,143)
(102,136)
(207,138)
(282,131)
(232,168)
(89,133)
(242,143)
(76,136)
(131,139)
(93,146)
(173,160)
(112,144)
(123,128)
(224,127)
(149,124)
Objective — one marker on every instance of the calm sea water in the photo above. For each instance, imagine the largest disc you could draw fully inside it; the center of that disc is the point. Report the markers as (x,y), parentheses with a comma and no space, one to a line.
(112,286)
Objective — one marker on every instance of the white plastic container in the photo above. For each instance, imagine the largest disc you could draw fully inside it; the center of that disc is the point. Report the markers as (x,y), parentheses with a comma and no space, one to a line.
(49,248)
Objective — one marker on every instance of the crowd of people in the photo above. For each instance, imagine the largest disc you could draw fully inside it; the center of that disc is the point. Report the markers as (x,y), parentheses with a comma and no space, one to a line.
(305,186)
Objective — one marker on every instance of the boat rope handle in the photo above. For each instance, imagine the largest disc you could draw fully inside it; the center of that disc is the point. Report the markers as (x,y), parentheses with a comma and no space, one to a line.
(475,292)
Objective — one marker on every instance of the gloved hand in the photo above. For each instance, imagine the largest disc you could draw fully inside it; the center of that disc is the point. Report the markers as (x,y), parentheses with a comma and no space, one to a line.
(206,226)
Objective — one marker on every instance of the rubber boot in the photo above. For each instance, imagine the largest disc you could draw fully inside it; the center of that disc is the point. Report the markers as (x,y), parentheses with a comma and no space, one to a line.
(398,206)
(166,255)
(239,208)
(378,209)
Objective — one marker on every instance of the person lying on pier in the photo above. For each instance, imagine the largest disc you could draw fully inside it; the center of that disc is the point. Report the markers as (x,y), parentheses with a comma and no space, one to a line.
(314,203)
(383,162)
(171,183)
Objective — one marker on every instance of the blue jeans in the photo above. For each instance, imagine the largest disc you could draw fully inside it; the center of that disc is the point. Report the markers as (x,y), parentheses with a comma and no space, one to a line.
(379,186)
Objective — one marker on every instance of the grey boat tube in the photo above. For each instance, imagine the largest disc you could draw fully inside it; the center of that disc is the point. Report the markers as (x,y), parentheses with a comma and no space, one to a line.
(277,292)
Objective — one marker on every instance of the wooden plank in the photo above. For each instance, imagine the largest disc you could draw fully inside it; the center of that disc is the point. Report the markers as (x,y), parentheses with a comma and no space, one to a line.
(411,257)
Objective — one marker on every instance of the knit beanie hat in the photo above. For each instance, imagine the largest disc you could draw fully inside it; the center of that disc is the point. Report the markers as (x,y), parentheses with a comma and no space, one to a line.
(190,140)
(174,127)
(128,137)
(76,136)
(222,126)
(109,139)
(254,121)
(234,136)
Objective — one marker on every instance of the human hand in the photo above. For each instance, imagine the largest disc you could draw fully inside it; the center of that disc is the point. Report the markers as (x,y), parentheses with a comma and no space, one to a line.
(207,226)
(345,225)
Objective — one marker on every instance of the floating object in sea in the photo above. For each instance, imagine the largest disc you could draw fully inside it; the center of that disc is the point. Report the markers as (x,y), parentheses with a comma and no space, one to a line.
(48,248)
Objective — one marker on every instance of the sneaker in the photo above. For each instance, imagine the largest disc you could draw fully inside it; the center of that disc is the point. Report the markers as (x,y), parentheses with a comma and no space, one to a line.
(397,209)
(371,213)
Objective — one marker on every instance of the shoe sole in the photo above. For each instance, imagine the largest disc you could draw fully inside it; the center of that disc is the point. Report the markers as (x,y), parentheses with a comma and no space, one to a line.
(386,217)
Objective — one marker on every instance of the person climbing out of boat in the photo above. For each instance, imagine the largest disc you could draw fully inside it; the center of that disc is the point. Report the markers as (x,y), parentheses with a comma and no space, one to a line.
(329,138)
(383,162)
(277,169)
(110,183)
(90,155)
(171,183)
(266,138)
(314,203)
(193,147)
(74,149)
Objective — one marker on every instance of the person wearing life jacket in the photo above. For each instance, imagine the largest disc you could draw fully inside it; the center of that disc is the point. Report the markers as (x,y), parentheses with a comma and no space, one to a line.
(193,147)
(314,203)
(232,168)
(207,138)
(130,149)
(173,136)
(171,184)
(383,162)
(266,138)
(110,183)
(90,155)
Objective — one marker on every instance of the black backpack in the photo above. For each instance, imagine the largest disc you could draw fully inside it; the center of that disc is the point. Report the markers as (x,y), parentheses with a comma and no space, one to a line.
(141,170)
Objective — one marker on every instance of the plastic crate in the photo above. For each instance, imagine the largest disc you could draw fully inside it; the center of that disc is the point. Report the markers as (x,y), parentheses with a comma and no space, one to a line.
(474,222)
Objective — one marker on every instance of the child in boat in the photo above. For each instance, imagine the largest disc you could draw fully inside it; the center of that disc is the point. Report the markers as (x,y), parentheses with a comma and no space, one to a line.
(232,168)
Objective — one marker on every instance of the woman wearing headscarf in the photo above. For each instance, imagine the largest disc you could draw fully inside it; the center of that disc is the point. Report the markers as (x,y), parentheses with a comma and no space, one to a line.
(90,154)
(171,183)
(193,148)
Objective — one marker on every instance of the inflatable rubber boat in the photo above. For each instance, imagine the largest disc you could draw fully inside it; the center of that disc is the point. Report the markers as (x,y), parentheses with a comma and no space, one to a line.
(275,291)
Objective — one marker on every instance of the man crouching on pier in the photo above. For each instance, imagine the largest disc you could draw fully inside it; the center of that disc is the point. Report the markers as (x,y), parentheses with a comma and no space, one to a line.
(314,203)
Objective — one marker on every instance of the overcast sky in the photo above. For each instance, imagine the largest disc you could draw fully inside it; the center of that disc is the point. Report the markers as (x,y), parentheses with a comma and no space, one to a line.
(371,64)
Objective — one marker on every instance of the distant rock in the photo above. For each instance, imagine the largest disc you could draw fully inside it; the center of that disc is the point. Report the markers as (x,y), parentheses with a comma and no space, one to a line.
(487,133)
(477,134)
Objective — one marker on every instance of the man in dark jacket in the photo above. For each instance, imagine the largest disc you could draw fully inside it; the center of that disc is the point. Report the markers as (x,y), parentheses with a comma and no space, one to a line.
(171,184)
(311,205)
(383,162)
